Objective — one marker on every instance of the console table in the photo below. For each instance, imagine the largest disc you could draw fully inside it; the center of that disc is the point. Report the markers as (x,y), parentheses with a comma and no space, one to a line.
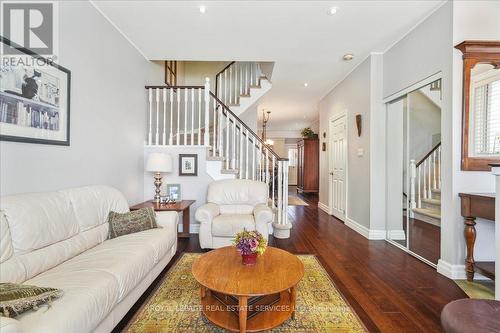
(181,206)
(476,205)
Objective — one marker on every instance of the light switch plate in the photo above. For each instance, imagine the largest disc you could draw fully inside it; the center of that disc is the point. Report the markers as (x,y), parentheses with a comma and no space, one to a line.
(361,152)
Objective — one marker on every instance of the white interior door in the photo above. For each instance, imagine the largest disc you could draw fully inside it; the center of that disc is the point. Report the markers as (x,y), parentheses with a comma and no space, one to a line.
(338,158)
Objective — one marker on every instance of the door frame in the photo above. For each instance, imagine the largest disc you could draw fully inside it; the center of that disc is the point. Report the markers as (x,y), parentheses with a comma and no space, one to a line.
(331,119)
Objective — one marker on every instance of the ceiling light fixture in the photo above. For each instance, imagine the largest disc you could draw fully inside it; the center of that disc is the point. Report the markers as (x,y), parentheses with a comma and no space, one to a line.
(332,10)
(306,84)
(348,56)
(203,9)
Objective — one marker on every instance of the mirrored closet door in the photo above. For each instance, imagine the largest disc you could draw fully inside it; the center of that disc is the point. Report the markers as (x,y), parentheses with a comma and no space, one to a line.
(414,172)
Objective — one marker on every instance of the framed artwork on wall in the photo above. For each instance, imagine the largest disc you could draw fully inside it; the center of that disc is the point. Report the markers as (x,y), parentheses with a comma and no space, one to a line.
(188,165)
(34,98)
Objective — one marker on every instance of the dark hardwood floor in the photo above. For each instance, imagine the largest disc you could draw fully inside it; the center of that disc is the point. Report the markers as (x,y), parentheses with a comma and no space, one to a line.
(390,290)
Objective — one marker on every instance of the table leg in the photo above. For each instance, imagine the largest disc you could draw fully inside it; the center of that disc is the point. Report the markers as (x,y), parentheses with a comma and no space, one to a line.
(293,297)
(470,239)
(185,223)
(243,302)
(203,291)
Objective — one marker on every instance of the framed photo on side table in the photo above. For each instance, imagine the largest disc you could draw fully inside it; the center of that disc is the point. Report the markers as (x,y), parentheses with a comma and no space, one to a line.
(34,97)
(174,192)
(188,165)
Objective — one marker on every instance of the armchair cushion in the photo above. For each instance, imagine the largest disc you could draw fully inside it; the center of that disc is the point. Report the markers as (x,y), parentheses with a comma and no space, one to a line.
(263,214)
(236,209)
(227,225)
(207,212)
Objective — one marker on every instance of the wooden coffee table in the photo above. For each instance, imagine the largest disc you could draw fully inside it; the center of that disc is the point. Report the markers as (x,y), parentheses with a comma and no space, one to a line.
(243,298)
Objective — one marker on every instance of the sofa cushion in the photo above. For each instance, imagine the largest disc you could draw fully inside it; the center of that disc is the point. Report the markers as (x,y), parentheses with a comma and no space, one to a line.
(236,209)
(17,298)
(228,225)
(121,224)
(89,296)
(92,204)
(6,250)
(38,220)
(237,192)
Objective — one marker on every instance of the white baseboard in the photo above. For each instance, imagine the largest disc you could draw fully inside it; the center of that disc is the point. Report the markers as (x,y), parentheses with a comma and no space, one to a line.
(396,234)
(324,207)
(371,234)
(455,272)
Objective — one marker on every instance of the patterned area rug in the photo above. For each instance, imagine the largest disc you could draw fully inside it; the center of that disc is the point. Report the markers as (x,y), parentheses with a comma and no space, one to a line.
(484,289)
(175,305)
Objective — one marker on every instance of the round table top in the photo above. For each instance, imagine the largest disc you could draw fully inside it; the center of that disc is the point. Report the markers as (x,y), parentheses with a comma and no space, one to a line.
(221,270)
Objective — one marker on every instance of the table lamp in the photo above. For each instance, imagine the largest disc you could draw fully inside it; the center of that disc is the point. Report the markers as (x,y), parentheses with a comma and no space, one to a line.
(158,163)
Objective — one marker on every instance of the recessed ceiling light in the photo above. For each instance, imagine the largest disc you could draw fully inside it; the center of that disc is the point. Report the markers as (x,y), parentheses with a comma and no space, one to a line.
(348,56)
(306,84)
(203,9)
(332,10)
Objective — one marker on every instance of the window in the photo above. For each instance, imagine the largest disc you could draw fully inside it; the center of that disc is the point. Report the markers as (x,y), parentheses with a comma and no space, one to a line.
(292,157)
(485,106)
(171,73)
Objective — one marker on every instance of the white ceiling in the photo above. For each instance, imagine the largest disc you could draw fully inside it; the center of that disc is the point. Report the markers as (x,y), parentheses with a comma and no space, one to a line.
(304,41)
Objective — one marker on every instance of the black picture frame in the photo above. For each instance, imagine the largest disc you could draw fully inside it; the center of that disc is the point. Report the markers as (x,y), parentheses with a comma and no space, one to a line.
(181,162)
(67,72)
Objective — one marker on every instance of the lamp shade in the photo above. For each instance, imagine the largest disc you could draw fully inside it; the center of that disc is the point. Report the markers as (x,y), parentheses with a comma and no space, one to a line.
(159,162)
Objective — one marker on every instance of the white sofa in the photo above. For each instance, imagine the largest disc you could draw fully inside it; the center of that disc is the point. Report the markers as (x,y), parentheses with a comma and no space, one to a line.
(60,239)
(233,205)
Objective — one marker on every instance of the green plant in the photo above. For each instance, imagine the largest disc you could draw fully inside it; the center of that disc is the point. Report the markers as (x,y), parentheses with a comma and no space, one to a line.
(307,133)
(248,242)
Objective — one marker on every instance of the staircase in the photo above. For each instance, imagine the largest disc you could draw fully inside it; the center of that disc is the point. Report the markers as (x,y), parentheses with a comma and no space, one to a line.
(425,187)
(195,116)
(240,85)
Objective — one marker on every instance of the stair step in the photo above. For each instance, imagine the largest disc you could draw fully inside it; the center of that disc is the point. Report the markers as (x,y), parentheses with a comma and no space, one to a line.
(428,212)
(436,194)
(233,104)
(432,201)
(244,95)
(230,171)
(257,86)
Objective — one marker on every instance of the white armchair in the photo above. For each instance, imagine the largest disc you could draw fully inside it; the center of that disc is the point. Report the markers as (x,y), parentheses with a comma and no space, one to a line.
(233,205)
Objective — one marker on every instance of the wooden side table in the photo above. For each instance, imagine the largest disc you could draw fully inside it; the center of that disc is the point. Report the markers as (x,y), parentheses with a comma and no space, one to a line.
(181,206)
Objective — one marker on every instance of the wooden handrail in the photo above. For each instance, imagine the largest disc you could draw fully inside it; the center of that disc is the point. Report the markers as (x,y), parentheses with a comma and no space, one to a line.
(217,77)
(428,154)
(247,128)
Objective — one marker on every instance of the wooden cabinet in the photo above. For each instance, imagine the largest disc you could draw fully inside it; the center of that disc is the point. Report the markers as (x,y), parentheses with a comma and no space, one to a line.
(308,165)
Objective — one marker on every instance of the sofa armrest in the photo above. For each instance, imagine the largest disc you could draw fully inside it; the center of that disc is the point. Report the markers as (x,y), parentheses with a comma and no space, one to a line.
(167,219)
(262,214)
(207,212)
(11,325)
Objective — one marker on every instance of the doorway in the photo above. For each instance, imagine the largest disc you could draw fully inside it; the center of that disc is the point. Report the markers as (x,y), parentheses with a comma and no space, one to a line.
(337,163)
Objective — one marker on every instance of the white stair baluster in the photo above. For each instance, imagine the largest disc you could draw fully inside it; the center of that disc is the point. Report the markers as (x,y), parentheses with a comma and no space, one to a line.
(206,136)
(157,134)
(234,146)
(424,170)
(230,84)
(192,117)
(150,131)
(419,181)
(164,136)
(225,87)
(280,193)
(246,154)
(171,134)
(253,158)
(219,111)
(240,162)
(272,180)
(434,180)
(214,128)
(185,115)
(228,129)
(429,170)
(266,166)
(178,134)
(199,117)
(439,168)
(413,174)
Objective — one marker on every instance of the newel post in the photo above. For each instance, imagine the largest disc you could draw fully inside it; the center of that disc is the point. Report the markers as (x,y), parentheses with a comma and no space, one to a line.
(496,171)
(206,136)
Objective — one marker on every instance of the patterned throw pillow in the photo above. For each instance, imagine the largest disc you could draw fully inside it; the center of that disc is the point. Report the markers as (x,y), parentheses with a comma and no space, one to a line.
(18,298)
(127,223)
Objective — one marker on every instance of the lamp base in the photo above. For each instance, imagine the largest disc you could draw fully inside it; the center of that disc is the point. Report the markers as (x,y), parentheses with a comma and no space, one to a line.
(157,183)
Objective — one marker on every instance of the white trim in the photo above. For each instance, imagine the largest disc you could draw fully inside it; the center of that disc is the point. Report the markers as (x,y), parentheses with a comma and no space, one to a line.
(396,234)
(413,87)
(324,207)
(413,254)
(455,272)
(177,146)
(92,2)
(364,231)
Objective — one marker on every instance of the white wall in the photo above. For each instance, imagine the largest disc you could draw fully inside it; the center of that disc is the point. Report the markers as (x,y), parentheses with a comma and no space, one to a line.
(108,113)
(352,96)
(472,20)
(192,187)
(193,73)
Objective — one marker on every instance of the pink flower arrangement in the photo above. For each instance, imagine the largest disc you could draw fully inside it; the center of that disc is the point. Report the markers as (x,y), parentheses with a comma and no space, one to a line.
(250,242)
